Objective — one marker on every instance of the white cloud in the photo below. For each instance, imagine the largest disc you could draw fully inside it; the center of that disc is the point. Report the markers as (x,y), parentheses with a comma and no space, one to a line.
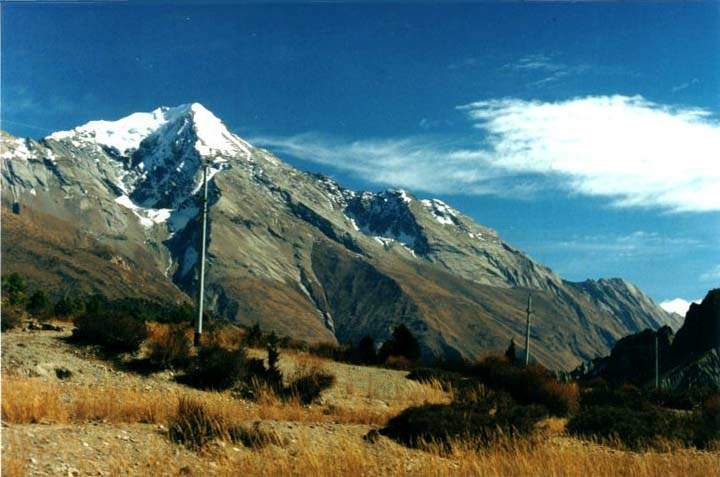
(677,305)
(637,152)
(632,151)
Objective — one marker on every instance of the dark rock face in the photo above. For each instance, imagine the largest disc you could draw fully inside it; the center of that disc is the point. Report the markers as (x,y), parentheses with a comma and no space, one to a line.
(633,357)
(701,331)
(702,372)
(689,359)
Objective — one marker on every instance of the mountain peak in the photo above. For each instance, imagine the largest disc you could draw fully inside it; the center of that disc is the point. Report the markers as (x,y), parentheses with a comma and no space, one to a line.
(127,133)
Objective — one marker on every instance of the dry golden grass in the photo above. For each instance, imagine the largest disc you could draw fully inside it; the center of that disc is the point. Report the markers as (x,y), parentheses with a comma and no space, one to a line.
(345,454)
(33,400)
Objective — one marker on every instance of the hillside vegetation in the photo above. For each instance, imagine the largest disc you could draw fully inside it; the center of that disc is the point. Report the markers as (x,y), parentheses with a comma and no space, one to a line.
(251,403)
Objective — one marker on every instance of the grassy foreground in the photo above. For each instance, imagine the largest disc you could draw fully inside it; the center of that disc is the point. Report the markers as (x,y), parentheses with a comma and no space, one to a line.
(35,401)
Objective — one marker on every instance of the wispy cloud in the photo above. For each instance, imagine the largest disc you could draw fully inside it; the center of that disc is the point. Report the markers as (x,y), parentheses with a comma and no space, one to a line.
(550,70)
(635,152)
(637,244)
(684,85)
(712,275)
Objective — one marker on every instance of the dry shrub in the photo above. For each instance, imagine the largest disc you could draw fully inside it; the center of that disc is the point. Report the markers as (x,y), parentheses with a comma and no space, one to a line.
(328,350)
(170,346)
(528,385)
(225,335)
(12,316)
(194,424)
(308,382)
(114,330)
(216,367)
(484,423)
(398,362)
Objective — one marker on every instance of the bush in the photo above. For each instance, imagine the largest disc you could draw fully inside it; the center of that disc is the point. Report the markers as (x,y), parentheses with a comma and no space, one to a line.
(483,422)
(402,343)
(708,432)
(11,316)
(528,385)
(14,288)
(365,352)
(398,362)
(447,379)
(331,351)
(216,367)
(113,330)
(636,428)
(194,425)
(69,306)
(309,383)
(39,304)
(171,348)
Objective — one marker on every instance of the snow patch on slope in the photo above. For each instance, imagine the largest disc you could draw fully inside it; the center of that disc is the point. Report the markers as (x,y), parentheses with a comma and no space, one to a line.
(441,212)
(147,217)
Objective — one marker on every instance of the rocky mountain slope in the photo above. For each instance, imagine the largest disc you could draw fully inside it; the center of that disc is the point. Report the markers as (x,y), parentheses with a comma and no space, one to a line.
(111,206)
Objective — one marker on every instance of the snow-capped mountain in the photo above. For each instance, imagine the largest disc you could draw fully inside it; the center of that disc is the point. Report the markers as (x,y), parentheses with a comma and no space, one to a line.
(294,251)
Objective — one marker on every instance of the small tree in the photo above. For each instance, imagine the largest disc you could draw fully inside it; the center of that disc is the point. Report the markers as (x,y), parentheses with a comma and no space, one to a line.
(274,375)
(14,287)
(402,343)
(38,304)
(365,351)
(511,352)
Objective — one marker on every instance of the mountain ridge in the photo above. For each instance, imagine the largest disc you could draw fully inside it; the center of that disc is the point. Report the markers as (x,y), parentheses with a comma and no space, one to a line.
(278,235)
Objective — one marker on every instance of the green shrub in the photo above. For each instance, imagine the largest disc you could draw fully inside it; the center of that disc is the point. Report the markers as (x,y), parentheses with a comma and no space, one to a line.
(402,343)
(482,422)
(14,288)
(216,367)
(39,304)
(113,330)
(635,427)
(365,352)
(708,432)
(70,306)
(528,385)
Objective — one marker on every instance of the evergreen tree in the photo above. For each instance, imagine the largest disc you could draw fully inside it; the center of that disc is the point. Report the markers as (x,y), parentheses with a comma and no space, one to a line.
(14,287)
(402,343)
(511,352)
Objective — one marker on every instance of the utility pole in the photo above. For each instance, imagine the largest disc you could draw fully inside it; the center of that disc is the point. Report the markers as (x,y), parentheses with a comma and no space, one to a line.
(527,330)
(201,265)
(657,362)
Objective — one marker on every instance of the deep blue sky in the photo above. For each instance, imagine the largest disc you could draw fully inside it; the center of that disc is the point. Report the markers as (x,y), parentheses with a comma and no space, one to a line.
(346,73)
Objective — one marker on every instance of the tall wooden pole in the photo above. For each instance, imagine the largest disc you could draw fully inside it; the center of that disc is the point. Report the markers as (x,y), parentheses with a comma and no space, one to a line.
(657,363)
(201,265)
(527,330)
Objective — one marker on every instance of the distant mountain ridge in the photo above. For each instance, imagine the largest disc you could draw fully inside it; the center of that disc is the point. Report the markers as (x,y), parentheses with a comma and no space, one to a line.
(294,251)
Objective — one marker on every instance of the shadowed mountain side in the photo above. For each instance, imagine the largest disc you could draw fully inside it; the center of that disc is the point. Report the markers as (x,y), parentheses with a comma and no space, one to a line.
(65,259)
